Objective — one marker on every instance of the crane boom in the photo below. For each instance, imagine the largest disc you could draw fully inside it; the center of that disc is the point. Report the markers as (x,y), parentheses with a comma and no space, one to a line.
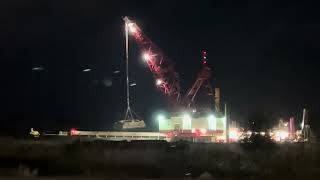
(202,80)
(166,77)
(163,70)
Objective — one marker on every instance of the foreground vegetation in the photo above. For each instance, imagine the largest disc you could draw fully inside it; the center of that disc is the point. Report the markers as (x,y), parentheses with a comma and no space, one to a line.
(255,159)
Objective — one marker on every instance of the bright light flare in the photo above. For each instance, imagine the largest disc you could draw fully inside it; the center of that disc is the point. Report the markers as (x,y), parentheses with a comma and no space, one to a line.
(160,117)
(146,56)
(281,135)
(233,134)
(159,82)
(249,133)
(132,28)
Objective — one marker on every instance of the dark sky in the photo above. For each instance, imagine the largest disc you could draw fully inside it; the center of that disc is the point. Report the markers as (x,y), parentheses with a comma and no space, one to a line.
(264,55)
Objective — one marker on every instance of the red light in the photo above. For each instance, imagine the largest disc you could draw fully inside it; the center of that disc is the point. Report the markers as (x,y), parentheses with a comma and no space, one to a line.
(170,134)
(73,131)
(204,62)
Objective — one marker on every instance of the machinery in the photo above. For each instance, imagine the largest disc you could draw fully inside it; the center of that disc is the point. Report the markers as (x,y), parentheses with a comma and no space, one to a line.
(166,78)
(34,133)
(129,124)
(184,116)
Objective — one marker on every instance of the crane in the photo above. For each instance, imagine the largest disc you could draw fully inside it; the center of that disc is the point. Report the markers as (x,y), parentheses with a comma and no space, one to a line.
(166,78)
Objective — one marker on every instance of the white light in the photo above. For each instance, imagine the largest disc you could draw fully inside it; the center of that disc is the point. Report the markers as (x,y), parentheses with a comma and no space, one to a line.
(146,56)
(186,117)
(37,69)
(233,135)
(86,70)
(211,117)
(212,122)
(161,117)
(194,110)
(283,134)
(262,133)
(133,84)
(132,28)
(158,82)
(186,121)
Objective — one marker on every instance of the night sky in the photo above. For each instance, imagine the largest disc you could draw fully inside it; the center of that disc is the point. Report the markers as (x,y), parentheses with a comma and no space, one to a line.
(264,55)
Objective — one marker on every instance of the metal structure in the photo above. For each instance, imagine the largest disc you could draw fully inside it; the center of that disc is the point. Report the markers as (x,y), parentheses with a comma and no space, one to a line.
(166,78)
(305,126)
(163,70)
(129,112)
(201,81)
(131,120)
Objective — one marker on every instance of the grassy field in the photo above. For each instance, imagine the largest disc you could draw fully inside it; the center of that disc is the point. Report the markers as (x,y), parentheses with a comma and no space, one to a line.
(158,159)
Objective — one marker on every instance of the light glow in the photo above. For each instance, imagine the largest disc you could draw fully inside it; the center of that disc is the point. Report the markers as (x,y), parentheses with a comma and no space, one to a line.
(37,69)
(186,121)
(160,117)
(203,131)
(133,84)
(281,135)
(249,133)
(132,28)
(146,56)
(73,131)
(159,82)
(212,122)
(86,70)
(233,134)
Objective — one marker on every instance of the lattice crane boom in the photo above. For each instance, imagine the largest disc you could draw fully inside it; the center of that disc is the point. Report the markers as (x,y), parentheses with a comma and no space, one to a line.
(166,77)
(202,79)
